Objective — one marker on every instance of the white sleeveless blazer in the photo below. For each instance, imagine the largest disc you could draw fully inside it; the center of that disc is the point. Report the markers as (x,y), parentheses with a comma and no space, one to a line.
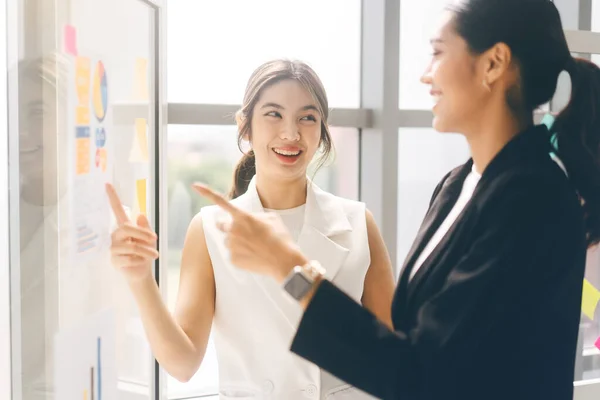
(256,320)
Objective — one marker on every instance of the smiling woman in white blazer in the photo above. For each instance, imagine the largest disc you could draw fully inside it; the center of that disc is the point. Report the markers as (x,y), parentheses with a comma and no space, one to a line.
(284,120)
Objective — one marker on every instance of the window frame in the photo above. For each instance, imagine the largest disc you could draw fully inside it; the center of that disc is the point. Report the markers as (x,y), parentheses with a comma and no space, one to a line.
(5,286)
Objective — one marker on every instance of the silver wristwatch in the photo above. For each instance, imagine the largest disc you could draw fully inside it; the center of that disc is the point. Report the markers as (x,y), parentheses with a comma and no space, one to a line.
(302,278)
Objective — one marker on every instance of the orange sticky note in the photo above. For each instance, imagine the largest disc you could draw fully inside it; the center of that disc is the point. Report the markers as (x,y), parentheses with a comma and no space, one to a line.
(70,38)
(82,156)
(140,189)
(82,150)
(101,159)
(82,115)
(141,79)
(589,300)
(139,148)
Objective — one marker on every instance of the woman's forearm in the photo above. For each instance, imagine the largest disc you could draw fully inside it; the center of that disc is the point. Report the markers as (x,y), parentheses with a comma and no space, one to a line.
(171,346)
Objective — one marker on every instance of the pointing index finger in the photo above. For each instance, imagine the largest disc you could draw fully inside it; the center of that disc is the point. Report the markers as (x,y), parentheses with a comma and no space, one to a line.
(115,204)
(216,198)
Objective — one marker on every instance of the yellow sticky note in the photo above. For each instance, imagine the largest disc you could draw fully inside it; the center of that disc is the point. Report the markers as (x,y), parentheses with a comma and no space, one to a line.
(142,137)
(141,79)
(590,299)
(139,148)
(140,188)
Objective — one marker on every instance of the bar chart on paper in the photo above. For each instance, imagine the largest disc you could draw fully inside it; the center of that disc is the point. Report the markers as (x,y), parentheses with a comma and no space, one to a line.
(84,360)
(95,392)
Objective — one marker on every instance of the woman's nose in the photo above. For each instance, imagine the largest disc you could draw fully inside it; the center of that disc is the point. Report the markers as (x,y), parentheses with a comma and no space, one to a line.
(426,77)
(291,132)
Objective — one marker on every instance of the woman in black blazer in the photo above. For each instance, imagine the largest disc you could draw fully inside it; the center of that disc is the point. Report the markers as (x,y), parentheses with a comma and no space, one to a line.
(488,303)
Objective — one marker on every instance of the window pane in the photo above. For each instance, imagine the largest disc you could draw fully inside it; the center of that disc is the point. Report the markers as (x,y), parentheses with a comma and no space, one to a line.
(209,154)
(215,45)
(435,154)
(579,15)
(70,145)
(595,15)
(418,19)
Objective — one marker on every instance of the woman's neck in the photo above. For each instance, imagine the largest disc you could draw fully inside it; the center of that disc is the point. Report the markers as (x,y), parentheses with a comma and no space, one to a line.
(278,195)
(492,135)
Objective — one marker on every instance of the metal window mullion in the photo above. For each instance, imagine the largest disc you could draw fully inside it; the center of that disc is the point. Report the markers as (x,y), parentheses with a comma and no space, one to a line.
(159,205)
(223,114)
(380,42)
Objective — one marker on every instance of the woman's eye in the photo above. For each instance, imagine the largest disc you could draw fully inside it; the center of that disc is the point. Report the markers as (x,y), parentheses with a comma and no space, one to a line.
(309,118)
(274,114)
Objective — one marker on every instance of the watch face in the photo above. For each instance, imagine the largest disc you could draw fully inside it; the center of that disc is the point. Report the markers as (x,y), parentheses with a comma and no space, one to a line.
(298,286)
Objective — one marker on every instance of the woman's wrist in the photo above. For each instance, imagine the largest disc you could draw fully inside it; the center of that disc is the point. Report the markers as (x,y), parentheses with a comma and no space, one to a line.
(293,258)
(305,301)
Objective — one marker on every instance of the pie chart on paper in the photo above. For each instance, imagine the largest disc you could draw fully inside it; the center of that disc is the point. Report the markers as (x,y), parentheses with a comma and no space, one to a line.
(100,92)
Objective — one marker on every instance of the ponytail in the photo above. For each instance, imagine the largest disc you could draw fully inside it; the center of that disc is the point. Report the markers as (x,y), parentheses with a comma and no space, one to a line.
(243,174)
(577,129)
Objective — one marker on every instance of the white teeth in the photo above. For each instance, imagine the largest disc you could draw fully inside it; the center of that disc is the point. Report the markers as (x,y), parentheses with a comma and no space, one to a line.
(286,152)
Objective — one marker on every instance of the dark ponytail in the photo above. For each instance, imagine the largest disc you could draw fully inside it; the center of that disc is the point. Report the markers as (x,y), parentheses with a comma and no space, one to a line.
(577,129)
(243,174)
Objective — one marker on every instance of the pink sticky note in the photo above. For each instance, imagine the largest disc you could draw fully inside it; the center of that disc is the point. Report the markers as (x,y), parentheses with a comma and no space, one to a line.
(70,40)
(598,343)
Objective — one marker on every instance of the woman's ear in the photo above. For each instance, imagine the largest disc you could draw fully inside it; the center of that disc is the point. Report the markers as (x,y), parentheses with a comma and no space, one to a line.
(498,60)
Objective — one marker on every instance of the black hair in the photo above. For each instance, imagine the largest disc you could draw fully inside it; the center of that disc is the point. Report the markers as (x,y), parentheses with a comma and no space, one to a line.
(533,31)
(242,175)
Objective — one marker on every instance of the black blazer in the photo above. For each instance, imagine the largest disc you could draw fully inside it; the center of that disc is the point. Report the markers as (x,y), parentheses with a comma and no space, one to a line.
(493,313)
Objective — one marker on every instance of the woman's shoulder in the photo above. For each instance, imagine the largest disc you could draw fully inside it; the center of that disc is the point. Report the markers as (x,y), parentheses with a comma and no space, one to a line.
(545,180)
(349,206)
(533,191)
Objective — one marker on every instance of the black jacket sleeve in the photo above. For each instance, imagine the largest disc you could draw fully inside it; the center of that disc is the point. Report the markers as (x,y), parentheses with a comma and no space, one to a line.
(519,224)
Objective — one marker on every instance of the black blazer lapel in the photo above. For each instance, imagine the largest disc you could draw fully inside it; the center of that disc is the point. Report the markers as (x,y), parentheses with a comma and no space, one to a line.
(440,207)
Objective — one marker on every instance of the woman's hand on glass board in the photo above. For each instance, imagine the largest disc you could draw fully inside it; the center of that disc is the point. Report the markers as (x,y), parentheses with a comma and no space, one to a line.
(133,243)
